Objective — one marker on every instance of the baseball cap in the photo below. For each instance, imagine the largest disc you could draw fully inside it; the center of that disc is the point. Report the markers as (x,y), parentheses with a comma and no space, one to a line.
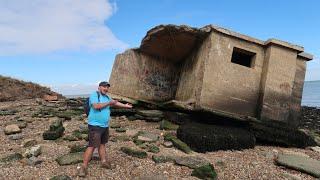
(104,84)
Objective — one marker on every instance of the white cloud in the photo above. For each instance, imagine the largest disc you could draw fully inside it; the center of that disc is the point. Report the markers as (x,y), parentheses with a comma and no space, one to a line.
(42,26)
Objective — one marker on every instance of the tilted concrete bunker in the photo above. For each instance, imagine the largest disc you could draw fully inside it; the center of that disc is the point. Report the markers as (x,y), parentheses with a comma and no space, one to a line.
(216,70)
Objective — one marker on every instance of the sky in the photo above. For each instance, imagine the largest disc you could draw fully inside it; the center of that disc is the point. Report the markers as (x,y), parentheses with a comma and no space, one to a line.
(71,45)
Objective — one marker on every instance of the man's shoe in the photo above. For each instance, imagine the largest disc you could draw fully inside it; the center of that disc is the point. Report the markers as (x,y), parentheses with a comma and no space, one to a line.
(82,171)
(106,165)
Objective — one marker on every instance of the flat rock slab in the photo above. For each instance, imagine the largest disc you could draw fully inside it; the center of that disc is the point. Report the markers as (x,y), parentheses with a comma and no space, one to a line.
(191,161)
(300,163)
(146,136)
(151,113)
(72,158)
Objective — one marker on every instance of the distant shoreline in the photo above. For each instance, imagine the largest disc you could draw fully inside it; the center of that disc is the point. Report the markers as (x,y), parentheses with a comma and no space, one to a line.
(77,96)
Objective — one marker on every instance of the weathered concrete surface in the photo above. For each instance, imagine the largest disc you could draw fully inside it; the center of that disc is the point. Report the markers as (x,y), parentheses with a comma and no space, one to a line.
(227,86)
(172,42)
(140,76)
(193,67)
(281,67)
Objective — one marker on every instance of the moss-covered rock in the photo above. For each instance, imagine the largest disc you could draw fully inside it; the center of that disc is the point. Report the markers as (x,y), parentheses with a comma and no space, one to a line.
(78,148)
(7,112)
(72,158)
(60,177)
(121,130)
(56,125)
(281,134)
(114,126)
(153,148)
(134,152)
(205,172)
(207,137)
(53,135)
(64,115)
(177,143)
(12,157)
(150,147)
(80,134)
(191,161)
(29,142)
(167,125)
(144,136)
(122,138)
(162,159)
(70,137)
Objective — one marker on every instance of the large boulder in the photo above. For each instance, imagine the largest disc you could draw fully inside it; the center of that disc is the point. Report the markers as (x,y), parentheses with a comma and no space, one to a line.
(281,134)
(207,137)
(177,117)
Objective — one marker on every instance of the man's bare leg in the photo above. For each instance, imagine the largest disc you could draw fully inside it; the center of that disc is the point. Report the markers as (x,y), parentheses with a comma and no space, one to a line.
(83,170)
(102,153)
(87,156)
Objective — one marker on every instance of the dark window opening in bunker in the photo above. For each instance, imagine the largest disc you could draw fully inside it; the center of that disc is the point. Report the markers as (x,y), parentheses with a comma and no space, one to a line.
(242,57)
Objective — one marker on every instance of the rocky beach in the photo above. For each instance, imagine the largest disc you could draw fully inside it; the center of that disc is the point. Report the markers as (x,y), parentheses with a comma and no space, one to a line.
(140,147)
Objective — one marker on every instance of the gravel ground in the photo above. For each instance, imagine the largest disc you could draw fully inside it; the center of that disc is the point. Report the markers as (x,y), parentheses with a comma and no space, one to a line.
(257,163)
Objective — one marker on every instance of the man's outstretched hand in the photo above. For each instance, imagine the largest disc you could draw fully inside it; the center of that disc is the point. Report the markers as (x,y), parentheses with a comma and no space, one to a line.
(128,105)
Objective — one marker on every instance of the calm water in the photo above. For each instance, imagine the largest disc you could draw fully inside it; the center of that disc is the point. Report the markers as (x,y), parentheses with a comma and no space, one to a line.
(311,93)
(310,97)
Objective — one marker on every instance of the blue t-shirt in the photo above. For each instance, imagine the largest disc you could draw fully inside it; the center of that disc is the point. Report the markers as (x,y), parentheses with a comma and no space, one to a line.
(99,117)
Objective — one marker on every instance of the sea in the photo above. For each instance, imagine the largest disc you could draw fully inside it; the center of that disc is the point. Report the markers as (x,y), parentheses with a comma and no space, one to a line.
(310,96)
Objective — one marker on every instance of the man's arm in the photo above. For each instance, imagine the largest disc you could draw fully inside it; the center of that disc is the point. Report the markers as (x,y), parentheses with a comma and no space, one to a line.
(103,105)
(121,105)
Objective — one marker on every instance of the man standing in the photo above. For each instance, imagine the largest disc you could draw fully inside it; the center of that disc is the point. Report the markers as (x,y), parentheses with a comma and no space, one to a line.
(98,124)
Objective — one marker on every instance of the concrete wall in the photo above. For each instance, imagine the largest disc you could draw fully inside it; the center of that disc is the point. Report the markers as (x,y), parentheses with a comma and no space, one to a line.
(228,86)
(295,108)
(191,77)
(278,83)
(140,76)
